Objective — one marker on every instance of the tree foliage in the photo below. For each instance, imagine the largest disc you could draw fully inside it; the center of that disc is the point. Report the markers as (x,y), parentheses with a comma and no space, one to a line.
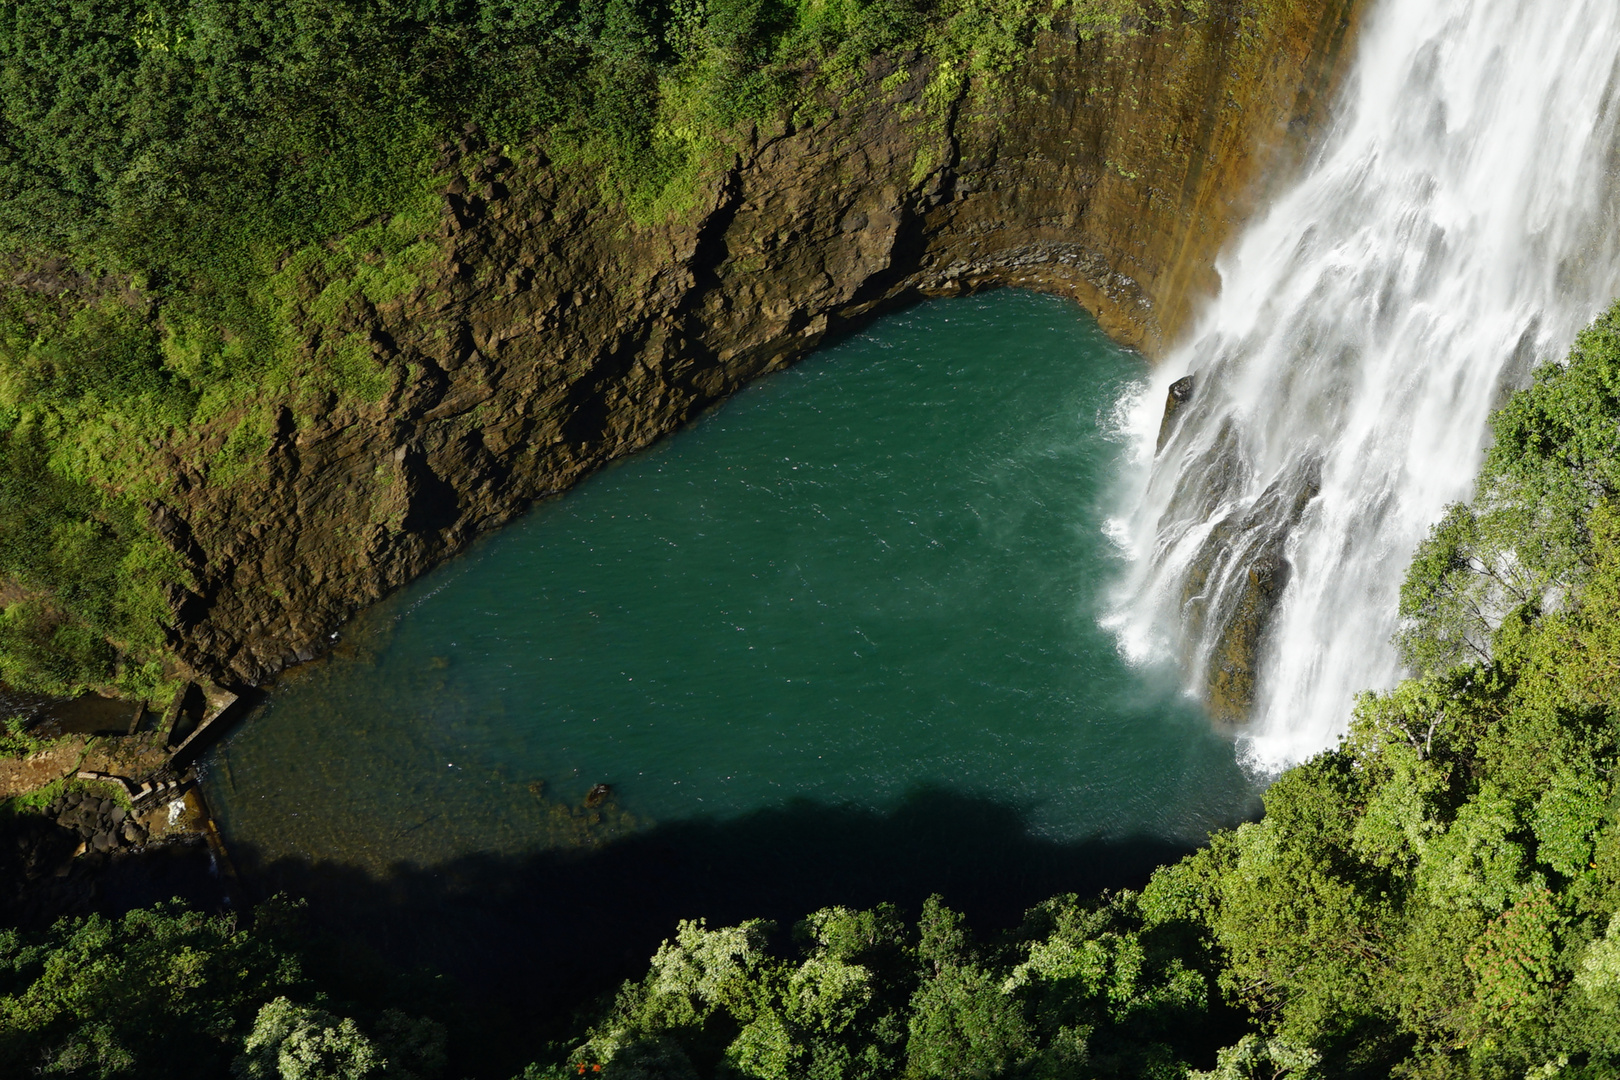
(167,991)
(1097,987)
(301,1042)
(1525,540)
(129,998)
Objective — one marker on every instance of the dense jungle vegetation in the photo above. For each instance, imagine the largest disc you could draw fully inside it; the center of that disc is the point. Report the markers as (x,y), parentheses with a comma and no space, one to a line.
(171,170)
(1436,897)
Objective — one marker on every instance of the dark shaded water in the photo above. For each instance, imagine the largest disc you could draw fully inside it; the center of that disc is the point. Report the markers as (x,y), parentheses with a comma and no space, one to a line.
(835,643)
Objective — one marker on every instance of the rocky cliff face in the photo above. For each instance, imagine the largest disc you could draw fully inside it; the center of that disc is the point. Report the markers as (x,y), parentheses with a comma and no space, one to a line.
(552,333)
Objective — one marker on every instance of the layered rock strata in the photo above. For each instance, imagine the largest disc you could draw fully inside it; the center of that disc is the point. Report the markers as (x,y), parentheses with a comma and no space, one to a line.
(553,333)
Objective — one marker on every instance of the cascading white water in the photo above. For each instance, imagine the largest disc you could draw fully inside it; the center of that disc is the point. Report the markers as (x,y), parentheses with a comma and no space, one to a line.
(1459,226)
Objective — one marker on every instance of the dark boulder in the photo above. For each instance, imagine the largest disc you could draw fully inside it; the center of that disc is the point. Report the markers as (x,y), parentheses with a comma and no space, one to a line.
(1181,392)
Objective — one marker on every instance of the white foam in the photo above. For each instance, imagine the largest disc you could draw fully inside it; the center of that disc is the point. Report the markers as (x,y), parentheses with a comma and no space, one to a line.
(1458,226)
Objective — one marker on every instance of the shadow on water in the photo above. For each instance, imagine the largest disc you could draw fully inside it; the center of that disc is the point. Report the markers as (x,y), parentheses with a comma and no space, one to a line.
(876,571)
(530,937)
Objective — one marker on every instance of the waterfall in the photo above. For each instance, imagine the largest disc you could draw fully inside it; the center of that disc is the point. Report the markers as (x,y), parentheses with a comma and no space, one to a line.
(1456,228)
